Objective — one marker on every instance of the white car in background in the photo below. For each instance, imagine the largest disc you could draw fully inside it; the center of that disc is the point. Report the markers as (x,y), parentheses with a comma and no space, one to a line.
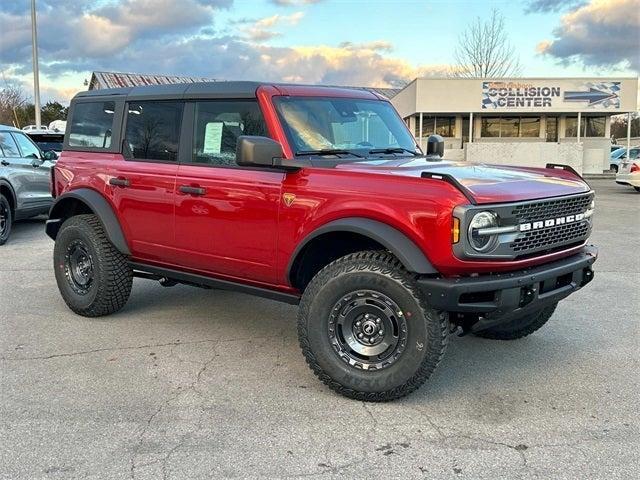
(34,128)
(629,173)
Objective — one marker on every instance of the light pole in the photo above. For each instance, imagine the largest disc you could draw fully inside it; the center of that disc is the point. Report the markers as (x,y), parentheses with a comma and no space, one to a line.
(36,73)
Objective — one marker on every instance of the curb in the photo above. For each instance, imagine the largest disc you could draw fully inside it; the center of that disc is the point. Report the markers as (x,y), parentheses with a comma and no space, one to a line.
(599,176)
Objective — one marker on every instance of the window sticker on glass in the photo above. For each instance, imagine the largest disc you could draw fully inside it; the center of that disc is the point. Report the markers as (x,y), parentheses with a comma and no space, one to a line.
(212,138)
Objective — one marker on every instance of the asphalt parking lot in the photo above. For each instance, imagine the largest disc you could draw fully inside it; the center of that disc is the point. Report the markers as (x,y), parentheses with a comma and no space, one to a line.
(190,383)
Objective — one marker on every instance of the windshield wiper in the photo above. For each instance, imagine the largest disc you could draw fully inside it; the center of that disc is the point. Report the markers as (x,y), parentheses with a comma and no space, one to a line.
(329,151)
(394,150)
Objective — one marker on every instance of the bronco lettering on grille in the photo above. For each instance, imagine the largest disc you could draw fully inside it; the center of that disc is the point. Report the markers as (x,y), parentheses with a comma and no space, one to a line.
(551,222)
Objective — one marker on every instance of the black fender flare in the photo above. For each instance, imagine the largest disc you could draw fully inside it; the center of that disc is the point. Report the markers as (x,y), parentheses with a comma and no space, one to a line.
(13,199)
(98,205)
(391,238)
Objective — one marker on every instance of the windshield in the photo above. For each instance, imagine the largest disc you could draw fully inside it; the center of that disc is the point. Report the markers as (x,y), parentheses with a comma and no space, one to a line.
(618,153)
(343,125)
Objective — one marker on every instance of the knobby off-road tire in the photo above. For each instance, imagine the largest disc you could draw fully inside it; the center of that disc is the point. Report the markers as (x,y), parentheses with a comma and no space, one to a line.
(365,287)
(519,327)
(94,278)
(6,219)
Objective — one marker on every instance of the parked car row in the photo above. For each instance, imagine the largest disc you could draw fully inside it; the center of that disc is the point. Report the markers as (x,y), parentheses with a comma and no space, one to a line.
(619,154)
(25,171)
(629,174)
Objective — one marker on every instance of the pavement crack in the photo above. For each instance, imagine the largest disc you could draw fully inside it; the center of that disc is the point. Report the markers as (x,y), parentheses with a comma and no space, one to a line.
(99,350)
(116,349)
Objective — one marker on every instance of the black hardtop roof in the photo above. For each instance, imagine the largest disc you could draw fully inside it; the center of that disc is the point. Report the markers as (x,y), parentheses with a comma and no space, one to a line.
(214,89)
(218,89)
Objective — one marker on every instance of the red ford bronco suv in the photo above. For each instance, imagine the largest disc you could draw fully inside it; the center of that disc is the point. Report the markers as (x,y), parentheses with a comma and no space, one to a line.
(318,196)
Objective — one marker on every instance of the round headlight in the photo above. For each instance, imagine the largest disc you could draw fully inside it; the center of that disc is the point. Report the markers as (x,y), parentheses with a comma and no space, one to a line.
(481,220)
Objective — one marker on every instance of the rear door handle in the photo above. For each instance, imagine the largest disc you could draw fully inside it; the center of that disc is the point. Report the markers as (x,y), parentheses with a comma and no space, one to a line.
(192,190)
(119,182)
(4,163)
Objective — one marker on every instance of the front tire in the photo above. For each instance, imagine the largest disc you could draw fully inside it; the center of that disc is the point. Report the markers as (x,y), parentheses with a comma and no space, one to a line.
(6,219)
(519,327)
(93,277)
(637,189)
(366,331)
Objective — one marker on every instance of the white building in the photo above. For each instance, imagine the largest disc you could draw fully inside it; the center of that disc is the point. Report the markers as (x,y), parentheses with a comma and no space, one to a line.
(525,121)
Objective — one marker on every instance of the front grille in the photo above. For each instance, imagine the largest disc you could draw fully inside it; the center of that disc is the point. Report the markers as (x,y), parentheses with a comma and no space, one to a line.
(531,212)
(550,238)
(556,237)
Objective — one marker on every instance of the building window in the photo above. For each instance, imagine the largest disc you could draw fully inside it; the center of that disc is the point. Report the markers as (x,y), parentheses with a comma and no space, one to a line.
(530,127)
(552,129)
(511,127)
(490,127)
(589,126)
(444,126)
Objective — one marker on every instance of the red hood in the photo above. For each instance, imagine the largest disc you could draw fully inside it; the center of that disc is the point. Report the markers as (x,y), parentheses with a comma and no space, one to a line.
(486,183)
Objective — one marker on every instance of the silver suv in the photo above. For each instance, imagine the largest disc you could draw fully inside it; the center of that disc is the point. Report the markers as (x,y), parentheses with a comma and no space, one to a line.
(24,179)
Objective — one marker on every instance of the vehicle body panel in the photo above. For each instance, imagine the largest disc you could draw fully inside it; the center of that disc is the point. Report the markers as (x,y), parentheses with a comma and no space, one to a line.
(233,228)
(626,177)
(28,177)
(241,229)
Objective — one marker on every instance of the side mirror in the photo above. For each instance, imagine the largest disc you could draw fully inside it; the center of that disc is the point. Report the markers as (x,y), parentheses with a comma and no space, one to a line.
(435,146)
(252,151)
(50,155)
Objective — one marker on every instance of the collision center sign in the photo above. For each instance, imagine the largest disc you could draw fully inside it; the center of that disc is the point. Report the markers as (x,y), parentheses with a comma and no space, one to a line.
(514,95)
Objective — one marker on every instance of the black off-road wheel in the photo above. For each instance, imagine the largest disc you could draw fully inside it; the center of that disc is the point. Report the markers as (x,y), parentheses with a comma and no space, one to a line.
(366,331)
(93,277)
(519,327)
(6,219)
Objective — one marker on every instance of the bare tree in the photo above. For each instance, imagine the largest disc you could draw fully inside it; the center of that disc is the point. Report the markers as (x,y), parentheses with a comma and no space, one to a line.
(12,98)
(484,50)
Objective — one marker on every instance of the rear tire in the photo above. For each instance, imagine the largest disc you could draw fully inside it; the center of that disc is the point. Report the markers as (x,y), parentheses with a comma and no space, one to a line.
(519,327)
(366,331)
(93,277)
(613,167)
(6,219)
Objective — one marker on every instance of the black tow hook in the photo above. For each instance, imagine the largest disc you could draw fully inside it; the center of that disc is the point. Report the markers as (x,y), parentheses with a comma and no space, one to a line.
(526,296)
(587,276)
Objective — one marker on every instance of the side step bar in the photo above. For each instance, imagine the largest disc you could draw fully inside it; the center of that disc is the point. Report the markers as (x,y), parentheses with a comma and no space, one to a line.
(156,273)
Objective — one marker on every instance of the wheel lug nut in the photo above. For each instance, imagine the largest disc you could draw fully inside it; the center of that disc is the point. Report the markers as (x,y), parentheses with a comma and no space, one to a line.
(358,323)
(381,332)
(378,321)
(361,335)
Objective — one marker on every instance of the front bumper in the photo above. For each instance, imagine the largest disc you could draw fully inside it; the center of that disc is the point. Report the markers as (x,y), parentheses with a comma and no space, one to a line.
(628,179)
(500,297)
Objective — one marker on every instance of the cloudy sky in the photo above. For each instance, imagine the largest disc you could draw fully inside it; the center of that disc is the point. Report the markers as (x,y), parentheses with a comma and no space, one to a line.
(343,42)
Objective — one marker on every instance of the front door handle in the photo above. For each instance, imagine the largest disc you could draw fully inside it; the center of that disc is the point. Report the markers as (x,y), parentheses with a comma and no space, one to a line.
(4,163)
(192,190)
(119,182)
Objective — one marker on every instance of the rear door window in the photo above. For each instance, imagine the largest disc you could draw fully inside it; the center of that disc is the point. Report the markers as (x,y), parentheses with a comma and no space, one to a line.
(92,125)
(153,130)
(8,147)
(218,124)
